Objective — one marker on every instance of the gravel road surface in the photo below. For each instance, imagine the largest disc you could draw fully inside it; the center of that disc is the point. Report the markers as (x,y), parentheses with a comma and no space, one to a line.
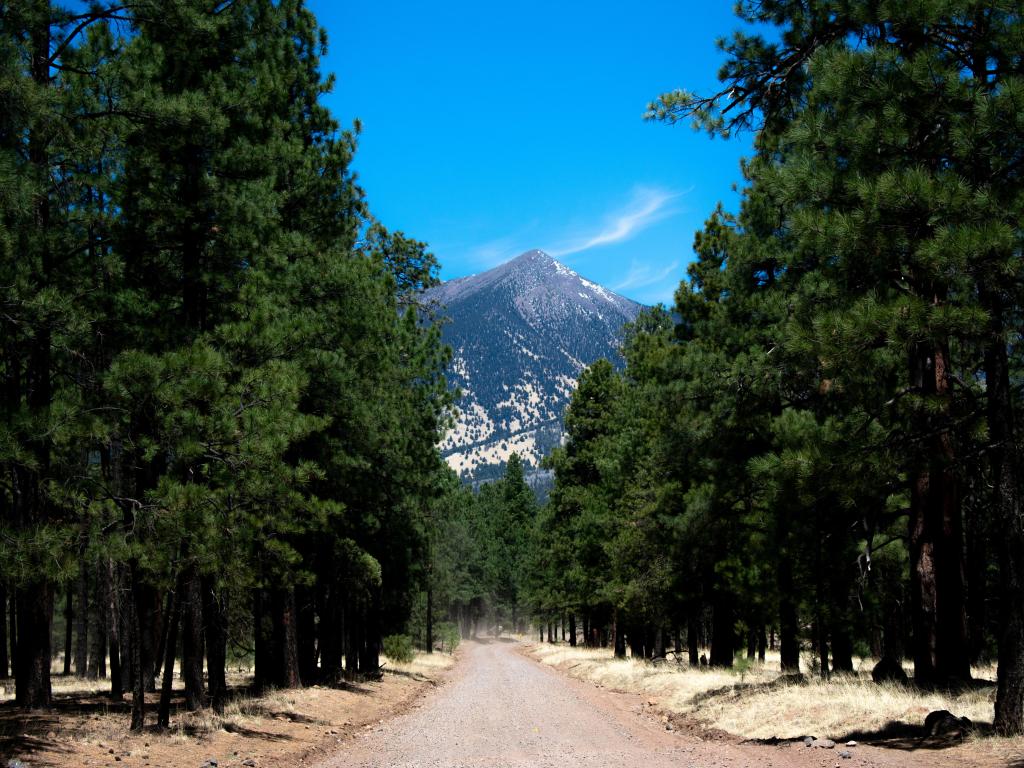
(502,709)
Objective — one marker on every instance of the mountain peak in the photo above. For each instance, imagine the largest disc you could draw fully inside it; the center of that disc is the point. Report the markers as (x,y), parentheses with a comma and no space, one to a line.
(520,334)
(532,256)
(534,260)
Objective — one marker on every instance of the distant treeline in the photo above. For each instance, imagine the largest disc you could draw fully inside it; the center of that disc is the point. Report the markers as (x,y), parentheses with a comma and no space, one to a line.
(823,442)
(220,407)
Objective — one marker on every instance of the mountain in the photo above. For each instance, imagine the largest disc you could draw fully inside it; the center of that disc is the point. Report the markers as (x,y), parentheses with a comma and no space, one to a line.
(521,334)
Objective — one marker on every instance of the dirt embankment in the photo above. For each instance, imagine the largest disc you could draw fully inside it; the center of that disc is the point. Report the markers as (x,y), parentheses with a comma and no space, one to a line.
(283,728)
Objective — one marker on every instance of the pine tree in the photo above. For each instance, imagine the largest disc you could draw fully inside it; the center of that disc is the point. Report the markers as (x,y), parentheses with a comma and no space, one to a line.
(905,225)
(46,258)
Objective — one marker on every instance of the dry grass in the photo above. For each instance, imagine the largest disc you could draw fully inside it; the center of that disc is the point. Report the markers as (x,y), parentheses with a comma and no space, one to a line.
(837,708)
(423,665)
(62,686)
(249,713)
(246,713)
(746,703)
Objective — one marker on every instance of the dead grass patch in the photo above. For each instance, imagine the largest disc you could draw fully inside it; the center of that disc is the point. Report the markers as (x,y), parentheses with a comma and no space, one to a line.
(426,665)
(758,703)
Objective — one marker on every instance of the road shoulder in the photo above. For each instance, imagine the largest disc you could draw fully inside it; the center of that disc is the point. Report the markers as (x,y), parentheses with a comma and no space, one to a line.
(663,728)
(288,727)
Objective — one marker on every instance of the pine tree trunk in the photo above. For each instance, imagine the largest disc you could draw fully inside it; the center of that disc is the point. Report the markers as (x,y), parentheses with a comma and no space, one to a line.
(1004,461)
(941,653)
(285,640)
(572,630)
(620,636)
(369,656)
(13,630)
(262,641)
(841,624)
(789,627)
(69,616)
(35,600)
(151,639)
(762,644)
(722,631)
(135,635)
(163,715)
(332,633)
(192,637)
(32,671)
(97,632)
(4,662)
(430,617)
(165,630)
(82,620)
(114,630)
(215,617)
(353,638)
(692,640)
(978,587)
(892,633)
(842,649)
(128,641)
(821,642)
(637,638)
(305,627)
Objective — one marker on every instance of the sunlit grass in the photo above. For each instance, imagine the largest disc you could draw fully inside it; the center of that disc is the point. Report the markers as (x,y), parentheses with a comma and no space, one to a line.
(743,703)
(424,664)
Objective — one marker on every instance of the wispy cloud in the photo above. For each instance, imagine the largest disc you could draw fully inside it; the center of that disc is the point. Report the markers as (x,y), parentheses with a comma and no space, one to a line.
(492,253)
(647,206)
(644,275)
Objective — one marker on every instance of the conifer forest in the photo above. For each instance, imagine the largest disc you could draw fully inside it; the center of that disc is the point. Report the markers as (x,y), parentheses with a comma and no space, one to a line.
(223,392)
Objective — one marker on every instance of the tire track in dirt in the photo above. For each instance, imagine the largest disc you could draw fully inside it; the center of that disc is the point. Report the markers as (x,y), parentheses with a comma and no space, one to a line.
(502,709)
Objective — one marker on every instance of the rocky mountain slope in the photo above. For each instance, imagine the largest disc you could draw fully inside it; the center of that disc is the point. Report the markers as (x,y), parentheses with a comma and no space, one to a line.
(521,334)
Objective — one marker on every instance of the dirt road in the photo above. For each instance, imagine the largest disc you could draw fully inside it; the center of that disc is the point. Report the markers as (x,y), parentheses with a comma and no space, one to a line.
(502,709)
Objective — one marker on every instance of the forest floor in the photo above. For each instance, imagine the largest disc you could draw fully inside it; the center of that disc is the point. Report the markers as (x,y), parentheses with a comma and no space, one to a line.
(755,705)
(293,727)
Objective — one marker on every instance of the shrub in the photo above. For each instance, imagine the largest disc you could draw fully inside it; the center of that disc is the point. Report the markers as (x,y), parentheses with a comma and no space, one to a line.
(398,648)
(742,665)
(448,634)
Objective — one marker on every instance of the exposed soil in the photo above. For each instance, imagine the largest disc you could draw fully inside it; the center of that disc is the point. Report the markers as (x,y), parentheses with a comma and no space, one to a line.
(283,729)
(504,709)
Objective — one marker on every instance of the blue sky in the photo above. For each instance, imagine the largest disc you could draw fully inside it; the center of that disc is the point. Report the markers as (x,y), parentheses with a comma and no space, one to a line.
(491,129)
